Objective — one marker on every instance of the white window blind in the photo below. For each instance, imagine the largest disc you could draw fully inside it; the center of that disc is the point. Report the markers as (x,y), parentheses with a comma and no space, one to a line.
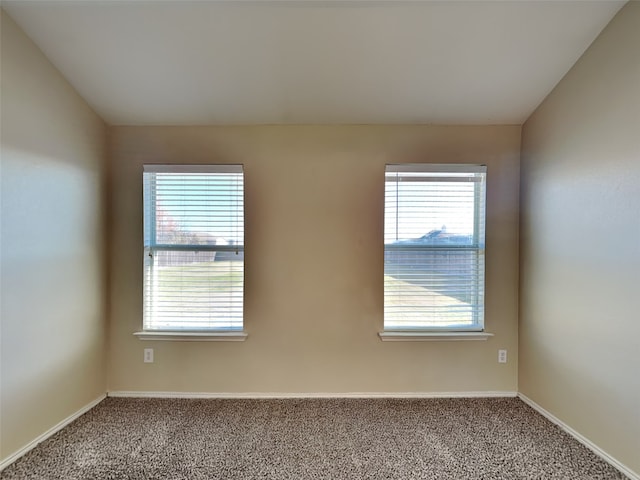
(434,229)
(193,247)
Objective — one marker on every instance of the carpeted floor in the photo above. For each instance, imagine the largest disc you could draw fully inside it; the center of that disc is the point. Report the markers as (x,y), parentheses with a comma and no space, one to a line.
(311,439)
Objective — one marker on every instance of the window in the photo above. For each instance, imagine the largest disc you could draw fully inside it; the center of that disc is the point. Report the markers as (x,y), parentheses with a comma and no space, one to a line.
(434,222)
(193,248)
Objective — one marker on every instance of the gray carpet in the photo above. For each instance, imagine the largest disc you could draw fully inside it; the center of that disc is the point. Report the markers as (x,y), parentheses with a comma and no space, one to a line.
(311,439)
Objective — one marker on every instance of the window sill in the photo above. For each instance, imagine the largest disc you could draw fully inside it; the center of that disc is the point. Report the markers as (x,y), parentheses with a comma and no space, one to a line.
(417,336)
(239,336)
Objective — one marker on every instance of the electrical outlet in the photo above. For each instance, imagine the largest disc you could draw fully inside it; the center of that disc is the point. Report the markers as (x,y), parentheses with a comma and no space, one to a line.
(148,355)
(502,356)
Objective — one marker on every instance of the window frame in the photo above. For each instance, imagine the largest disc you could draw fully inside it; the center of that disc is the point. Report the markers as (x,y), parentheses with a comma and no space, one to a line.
(151,246)
(431,331)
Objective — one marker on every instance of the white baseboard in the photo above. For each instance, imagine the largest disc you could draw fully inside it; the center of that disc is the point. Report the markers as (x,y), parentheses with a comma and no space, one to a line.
(56,428)
(580,438)
(275,395)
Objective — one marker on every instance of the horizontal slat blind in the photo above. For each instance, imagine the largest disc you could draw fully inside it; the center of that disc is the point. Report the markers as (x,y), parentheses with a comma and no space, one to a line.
(434,247)
(193,247)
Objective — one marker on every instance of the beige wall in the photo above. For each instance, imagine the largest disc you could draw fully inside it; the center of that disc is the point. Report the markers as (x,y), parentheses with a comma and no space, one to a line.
(314,262)
(52,280)
(580,269)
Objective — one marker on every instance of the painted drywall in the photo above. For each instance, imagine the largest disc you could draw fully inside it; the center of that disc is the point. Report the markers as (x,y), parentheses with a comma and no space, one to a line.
(314,262)
(580,267)
(53,325)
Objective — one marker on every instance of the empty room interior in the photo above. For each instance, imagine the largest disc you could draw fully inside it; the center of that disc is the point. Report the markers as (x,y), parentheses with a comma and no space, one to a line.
(312,119)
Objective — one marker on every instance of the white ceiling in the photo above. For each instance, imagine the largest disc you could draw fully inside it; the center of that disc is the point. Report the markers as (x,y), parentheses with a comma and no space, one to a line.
(255,62)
